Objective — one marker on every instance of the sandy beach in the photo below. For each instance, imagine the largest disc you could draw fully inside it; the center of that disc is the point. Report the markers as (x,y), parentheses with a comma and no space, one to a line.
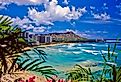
(24,75)
(53,44)
(46,45)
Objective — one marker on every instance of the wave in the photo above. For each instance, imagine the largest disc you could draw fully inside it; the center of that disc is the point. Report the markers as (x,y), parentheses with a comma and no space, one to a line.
(60,50)
(63,45)
(77,52)
(94,52)
(99,45)
(71,45)
(93,48)
(105,52)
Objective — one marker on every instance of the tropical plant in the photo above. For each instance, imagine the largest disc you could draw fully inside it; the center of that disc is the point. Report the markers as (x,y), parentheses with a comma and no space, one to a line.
(110,72)
(13,57)
(110,66)
(78,74)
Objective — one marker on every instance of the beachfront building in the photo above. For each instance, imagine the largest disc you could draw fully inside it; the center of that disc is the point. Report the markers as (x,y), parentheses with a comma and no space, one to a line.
(36,39)
(44,39)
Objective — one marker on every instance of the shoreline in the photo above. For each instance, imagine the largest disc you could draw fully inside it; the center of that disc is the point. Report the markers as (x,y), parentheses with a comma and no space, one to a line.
(95,68)
(46,45)
(54,44)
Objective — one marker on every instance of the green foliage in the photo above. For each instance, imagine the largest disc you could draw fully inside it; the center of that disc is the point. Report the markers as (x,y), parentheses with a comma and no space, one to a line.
(110,68)
(35,64)
(11,43)
(78,74)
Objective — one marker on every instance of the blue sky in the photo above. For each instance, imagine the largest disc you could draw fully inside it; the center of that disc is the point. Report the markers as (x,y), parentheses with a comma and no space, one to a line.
(88,18)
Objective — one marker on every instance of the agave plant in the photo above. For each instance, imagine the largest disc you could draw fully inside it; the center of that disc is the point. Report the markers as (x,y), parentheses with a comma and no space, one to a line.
(110,68)
(13,57)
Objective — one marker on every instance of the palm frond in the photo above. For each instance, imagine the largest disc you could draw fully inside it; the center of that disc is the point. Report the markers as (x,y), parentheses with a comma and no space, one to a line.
(78,73)
(29,64)
(109,55)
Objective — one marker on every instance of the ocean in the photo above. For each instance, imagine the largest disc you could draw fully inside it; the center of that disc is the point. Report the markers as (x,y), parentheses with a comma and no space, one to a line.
(64,57)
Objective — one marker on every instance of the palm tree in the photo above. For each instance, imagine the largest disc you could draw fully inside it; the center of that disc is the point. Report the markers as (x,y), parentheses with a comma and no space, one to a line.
(11,43)
(110,69)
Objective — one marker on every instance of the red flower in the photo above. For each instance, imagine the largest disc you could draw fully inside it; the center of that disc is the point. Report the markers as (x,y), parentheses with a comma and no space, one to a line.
(31,79)
(61,80)
(21,81)
(50,80)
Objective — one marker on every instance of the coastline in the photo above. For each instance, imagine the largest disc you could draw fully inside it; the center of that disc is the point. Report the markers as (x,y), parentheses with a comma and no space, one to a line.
(95,68)
(46,45)
(54,44)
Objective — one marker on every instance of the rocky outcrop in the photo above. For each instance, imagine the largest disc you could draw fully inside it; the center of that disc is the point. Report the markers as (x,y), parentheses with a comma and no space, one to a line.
(65,37)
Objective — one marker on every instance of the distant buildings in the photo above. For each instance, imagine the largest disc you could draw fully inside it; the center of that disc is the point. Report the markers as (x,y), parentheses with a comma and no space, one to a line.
(37,39)
(44,38)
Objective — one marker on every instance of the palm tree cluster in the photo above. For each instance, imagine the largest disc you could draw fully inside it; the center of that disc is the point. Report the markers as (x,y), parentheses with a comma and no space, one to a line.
(13,57)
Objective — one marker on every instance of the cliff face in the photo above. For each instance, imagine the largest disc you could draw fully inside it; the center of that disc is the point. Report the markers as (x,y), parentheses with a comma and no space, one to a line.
(65,37)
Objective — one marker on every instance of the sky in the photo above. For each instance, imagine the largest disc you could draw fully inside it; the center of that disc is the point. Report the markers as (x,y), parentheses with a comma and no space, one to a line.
(87,18)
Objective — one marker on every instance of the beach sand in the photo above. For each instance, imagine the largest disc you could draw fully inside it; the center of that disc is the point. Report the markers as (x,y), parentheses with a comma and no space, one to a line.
(53,44)
(46,45)
(24,75)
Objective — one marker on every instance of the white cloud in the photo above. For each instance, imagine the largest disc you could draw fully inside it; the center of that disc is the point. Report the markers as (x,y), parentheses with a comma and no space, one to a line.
(74,31)
(54,12)
(91,20)
(66,2)
(102,16)
(85,35)
(105,4)
(29,27)
(2,5)
(21,22)
(92,7)
(96,21)
(24,2)
(73,23)
(39,17)
(117,20)
(119,9)
(95,32)
(39,29)
(26,24)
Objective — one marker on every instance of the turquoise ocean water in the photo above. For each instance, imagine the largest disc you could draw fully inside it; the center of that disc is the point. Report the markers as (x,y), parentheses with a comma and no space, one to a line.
(63,57)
